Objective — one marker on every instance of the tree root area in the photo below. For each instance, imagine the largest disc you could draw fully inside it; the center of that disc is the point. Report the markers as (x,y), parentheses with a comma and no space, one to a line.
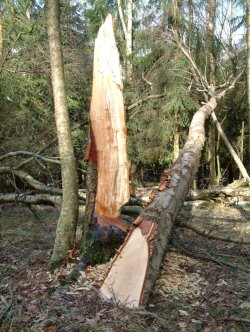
(195,290)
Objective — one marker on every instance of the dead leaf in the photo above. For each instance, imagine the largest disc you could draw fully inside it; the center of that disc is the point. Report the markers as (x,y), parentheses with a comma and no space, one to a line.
(33,308)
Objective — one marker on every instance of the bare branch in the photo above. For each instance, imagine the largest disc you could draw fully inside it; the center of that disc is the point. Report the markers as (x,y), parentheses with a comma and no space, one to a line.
(212,234)
(144,100)
(33,182)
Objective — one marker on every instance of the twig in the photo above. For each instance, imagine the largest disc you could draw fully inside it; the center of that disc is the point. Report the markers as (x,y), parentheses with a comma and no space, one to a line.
(235,319)
(144,100)
(231,265)
(54,160)
(8,307)
(38,152)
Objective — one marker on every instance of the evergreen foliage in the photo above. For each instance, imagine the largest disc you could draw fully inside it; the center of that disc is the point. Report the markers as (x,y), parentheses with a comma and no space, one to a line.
(26,105)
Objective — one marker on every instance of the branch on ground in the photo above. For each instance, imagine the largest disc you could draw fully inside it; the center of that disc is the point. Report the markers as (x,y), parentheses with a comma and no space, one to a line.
(210,234)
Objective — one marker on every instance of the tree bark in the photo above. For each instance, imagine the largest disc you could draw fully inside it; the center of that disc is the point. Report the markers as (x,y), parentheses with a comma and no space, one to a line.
(31,199)
(248,77)
(212,155)
(127,30)
(1,39)
(236,158)
(65,235)
(136,265)
(176,136)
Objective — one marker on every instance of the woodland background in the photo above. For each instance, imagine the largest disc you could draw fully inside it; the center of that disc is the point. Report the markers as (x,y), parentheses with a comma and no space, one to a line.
(157,127)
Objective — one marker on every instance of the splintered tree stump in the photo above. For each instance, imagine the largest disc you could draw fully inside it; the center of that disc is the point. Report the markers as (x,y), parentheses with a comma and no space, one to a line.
(104,229)
(136,266)
(108,134)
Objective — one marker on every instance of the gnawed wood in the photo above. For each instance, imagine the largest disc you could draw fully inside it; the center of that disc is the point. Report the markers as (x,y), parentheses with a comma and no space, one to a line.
(108,148)
(154,226)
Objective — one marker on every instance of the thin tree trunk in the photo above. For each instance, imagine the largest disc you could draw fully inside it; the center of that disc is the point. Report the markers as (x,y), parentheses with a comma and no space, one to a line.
(1,38)
(129,39)
(128,31)
(66,228)
(242,135)
(212,155)
(248,77)
(176,136)
(137,263)
(241,167)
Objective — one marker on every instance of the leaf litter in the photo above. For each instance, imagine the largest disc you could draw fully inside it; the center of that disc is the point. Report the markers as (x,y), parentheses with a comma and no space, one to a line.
(191,294)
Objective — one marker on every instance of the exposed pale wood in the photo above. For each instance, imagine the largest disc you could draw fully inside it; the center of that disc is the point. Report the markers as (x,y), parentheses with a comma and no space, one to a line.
(117,283)
(157,220)
(109,135)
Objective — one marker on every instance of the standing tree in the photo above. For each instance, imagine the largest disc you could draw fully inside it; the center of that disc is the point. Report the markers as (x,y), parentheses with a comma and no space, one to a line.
(248,76)
(67,222)
(127,30)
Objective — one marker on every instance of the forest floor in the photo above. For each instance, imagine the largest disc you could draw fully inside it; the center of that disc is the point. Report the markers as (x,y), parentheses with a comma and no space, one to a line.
(196,290)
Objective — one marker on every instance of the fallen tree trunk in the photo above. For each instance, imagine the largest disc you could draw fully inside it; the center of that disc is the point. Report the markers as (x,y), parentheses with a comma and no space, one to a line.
(136,265)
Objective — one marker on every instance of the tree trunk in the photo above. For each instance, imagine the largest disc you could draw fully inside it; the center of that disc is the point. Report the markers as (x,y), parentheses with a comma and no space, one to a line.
(66,228)
(211,52)
(248,77)
(109,135)
(212,155)
(127,30)
(107,151)
(136,265)
(176,136)
(237,160)
(129,39)
(1,39)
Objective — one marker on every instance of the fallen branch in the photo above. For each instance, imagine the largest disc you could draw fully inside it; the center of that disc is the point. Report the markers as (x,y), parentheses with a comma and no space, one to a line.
(231,265)
(30,199)
(207,194)
(235,319)
(210,234)
(34,183)
(208,257)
